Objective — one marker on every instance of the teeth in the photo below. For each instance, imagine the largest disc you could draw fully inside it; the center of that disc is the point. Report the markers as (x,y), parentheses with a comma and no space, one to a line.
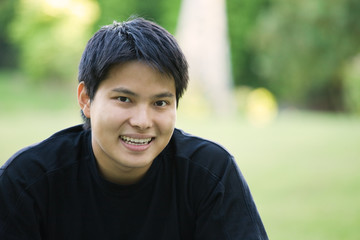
(136,141)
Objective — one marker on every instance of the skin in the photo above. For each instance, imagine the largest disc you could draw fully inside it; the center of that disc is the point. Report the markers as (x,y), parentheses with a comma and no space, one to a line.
(133,116)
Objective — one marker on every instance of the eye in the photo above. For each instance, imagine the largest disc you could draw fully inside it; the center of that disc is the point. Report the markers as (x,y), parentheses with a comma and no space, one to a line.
(124,99)
(161,103)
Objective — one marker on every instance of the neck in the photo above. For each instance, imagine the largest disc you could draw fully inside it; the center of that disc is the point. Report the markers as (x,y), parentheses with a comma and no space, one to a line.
(122,176)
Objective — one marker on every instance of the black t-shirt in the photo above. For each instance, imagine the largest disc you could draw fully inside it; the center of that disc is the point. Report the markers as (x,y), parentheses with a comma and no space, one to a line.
(193,190)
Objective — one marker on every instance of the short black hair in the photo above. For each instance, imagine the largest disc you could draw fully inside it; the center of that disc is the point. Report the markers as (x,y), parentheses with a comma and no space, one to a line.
(134,40)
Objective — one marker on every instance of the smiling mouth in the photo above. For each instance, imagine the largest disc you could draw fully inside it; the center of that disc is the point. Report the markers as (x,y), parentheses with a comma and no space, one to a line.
(136,141)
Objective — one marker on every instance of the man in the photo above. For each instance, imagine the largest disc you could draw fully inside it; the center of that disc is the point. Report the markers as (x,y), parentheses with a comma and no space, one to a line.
(127,173)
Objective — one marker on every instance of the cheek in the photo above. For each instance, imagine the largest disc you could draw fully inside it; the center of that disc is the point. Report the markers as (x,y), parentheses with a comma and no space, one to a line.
(167,123)
(104,116)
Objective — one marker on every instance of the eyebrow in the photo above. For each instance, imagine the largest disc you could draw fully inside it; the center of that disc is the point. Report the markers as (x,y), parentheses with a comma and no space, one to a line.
(164,95)
(124,91)
(131,93)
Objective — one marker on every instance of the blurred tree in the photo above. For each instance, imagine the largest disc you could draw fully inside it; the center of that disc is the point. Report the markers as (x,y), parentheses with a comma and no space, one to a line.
(352,85)
(203,35)
(7,49)
(51,36)
(242,19)
(303,46)
(164,12)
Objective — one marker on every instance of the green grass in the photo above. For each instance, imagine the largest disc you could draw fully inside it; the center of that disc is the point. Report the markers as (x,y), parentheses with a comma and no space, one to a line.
(17,94)
(303,169)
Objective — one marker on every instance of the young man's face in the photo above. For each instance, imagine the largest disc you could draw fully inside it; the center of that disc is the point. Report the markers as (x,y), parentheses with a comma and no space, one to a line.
(132,117)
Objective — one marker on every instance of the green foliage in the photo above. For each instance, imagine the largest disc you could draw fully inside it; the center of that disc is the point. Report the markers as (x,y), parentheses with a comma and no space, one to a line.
(303,46)
(352,85)
(7,49)
(51,36)
(300,50)
(242,18)
(164,12)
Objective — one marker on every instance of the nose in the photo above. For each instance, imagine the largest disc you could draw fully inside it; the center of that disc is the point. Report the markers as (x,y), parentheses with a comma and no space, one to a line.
(141,118)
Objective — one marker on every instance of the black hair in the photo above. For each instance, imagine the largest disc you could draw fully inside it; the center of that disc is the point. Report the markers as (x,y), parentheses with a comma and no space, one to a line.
(137,39)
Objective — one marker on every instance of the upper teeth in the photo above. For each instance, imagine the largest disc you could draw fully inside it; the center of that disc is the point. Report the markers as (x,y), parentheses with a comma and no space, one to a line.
(136,140)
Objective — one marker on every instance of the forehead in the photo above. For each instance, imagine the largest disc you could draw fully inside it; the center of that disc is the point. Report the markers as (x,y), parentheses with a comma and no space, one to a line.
(137,74)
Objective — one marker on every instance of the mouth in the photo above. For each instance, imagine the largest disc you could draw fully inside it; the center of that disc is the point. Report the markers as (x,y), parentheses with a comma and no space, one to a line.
(136,141)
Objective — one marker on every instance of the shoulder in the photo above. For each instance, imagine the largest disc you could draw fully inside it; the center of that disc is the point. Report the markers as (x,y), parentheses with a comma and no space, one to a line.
(205,168)
(201,153)
(190,145)
(53,153)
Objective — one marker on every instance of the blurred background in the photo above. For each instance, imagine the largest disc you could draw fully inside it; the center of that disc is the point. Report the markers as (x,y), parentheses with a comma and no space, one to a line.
(276,82)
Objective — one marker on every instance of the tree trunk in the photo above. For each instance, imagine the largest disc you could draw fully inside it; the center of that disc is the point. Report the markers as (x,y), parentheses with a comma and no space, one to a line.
(202,34)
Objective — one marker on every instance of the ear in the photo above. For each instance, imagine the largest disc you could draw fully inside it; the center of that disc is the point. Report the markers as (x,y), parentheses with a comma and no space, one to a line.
(83,99)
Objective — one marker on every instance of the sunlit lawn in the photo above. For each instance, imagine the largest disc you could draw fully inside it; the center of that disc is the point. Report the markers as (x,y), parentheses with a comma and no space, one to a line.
(303,169)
